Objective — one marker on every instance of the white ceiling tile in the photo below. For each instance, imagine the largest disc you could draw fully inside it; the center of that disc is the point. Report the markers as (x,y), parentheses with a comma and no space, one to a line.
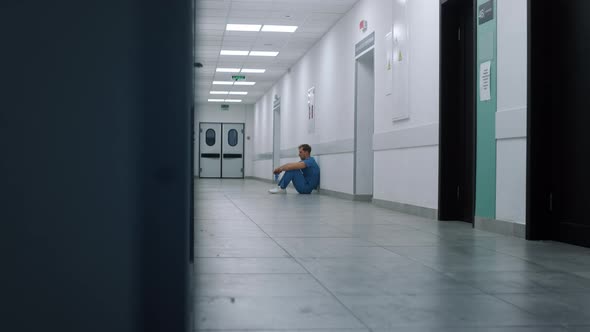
(313,17)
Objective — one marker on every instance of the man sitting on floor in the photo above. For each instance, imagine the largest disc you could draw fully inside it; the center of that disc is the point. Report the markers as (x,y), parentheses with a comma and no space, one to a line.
(305,174)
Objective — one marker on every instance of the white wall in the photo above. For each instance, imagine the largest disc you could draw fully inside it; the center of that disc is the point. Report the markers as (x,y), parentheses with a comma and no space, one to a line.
(512,108)
(408,173)
(237,113)
(329,66)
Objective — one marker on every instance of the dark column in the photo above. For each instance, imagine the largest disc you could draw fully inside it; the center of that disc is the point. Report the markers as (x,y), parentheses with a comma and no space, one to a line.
(95,170)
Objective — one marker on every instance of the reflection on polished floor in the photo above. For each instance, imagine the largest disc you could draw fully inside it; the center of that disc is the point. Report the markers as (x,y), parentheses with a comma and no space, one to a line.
(317,263)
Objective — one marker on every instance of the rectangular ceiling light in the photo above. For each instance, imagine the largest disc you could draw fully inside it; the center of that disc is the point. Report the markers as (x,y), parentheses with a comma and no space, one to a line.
(244,83)
(243,93)
(263,53)
(279,28)
(228,70)
(216,100)
(230,52)
(253,71)
(243,27)
(223,82)
(233,100)
(219,92)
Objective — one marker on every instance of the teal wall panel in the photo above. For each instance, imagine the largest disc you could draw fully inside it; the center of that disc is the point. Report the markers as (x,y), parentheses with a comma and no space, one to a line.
(485,192)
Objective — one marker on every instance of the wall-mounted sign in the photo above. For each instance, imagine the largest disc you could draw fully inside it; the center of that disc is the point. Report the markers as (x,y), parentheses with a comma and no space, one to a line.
(238,77)
(363,25)
(486,12)
(485,81)
(224,107)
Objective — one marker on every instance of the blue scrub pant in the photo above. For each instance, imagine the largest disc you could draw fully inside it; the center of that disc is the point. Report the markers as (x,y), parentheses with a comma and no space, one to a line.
(298,179)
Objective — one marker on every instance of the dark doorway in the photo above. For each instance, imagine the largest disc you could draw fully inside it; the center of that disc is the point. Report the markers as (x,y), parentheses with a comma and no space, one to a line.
(558,181)
(457,111)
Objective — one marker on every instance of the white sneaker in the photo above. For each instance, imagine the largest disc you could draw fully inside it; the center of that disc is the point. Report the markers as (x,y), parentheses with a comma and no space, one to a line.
(277,190)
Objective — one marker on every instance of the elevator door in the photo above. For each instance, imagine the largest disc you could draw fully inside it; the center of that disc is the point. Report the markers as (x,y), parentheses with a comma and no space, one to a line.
(571,143)
(210,150)
(232,163)
(457,112)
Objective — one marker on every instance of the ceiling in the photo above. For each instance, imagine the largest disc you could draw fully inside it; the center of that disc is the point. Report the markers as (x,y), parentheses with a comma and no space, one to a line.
(313,17)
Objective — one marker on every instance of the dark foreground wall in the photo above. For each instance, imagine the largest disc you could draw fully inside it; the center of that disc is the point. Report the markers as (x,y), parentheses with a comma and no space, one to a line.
(95,134)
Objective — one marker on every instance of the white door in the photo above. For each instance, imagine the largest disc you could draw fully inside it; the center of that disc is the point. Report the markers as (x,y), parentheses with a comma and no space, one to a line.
(210,150)
(232,164)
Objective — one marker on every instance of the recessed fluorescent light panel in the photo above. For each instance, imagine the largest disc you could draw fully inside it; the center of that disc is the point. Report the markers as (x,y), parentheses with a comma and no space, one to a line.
(242,27)
(253,71)
(216,100)
(228,70)
(230,52)
(244,83)
(233,100)
(219,92)
(263,53)
(279,28)
(242,93)
(223,82)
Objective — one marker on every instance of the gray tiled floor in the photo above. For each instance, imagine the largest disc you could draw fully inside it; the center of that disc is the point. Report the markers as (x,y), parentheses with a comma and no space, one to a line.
(316,263)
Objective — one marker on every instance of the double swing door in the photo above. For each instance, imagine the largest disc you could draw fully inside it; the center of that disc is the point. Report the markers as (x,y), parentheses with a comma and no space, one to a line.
(221,150)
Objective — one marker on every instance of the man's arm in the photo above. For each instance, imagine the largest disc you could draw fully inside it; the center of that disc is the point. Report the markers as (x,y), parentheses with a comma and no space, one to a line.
(290,167)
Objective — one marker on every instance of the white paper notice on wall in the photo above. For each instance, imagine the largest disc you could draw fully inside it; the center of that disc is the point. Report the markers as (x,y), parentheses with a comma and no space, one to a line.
(389,63)
(485,81)
(311,111)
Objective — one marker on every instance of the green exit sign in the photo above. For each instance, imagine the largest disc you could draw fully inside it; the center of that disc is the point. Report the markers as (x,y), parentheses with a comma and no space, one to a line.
(238,77)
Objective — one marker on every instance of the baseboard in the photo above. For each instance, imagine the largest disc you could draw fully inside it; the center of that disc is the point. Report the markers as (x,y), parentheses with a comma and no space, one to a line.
(407,208)
(321,191)
(501,227)
(260,179)
(350,197)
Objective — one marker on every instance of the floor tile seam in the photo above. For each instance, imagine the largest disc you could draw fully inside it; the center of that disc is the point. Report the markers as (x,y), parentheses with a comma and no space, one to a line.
(409,227)
(251,274)
(282,329)
(314,277)
(539,316)
(333,295)
(320,283)
(416,261)
(241,257)
(530,262)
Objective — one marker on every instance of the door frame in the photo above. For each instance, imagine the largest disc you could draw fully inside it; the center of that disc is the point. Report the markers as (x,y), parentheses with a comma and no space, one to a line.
(276,110)
(541,222)
(471,144)
(221,142)
(357,57)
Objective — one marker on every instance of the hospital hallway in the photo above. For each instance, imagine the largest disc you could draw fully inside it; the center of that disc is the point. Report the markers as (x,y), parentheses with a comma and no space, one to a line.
(318,263)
